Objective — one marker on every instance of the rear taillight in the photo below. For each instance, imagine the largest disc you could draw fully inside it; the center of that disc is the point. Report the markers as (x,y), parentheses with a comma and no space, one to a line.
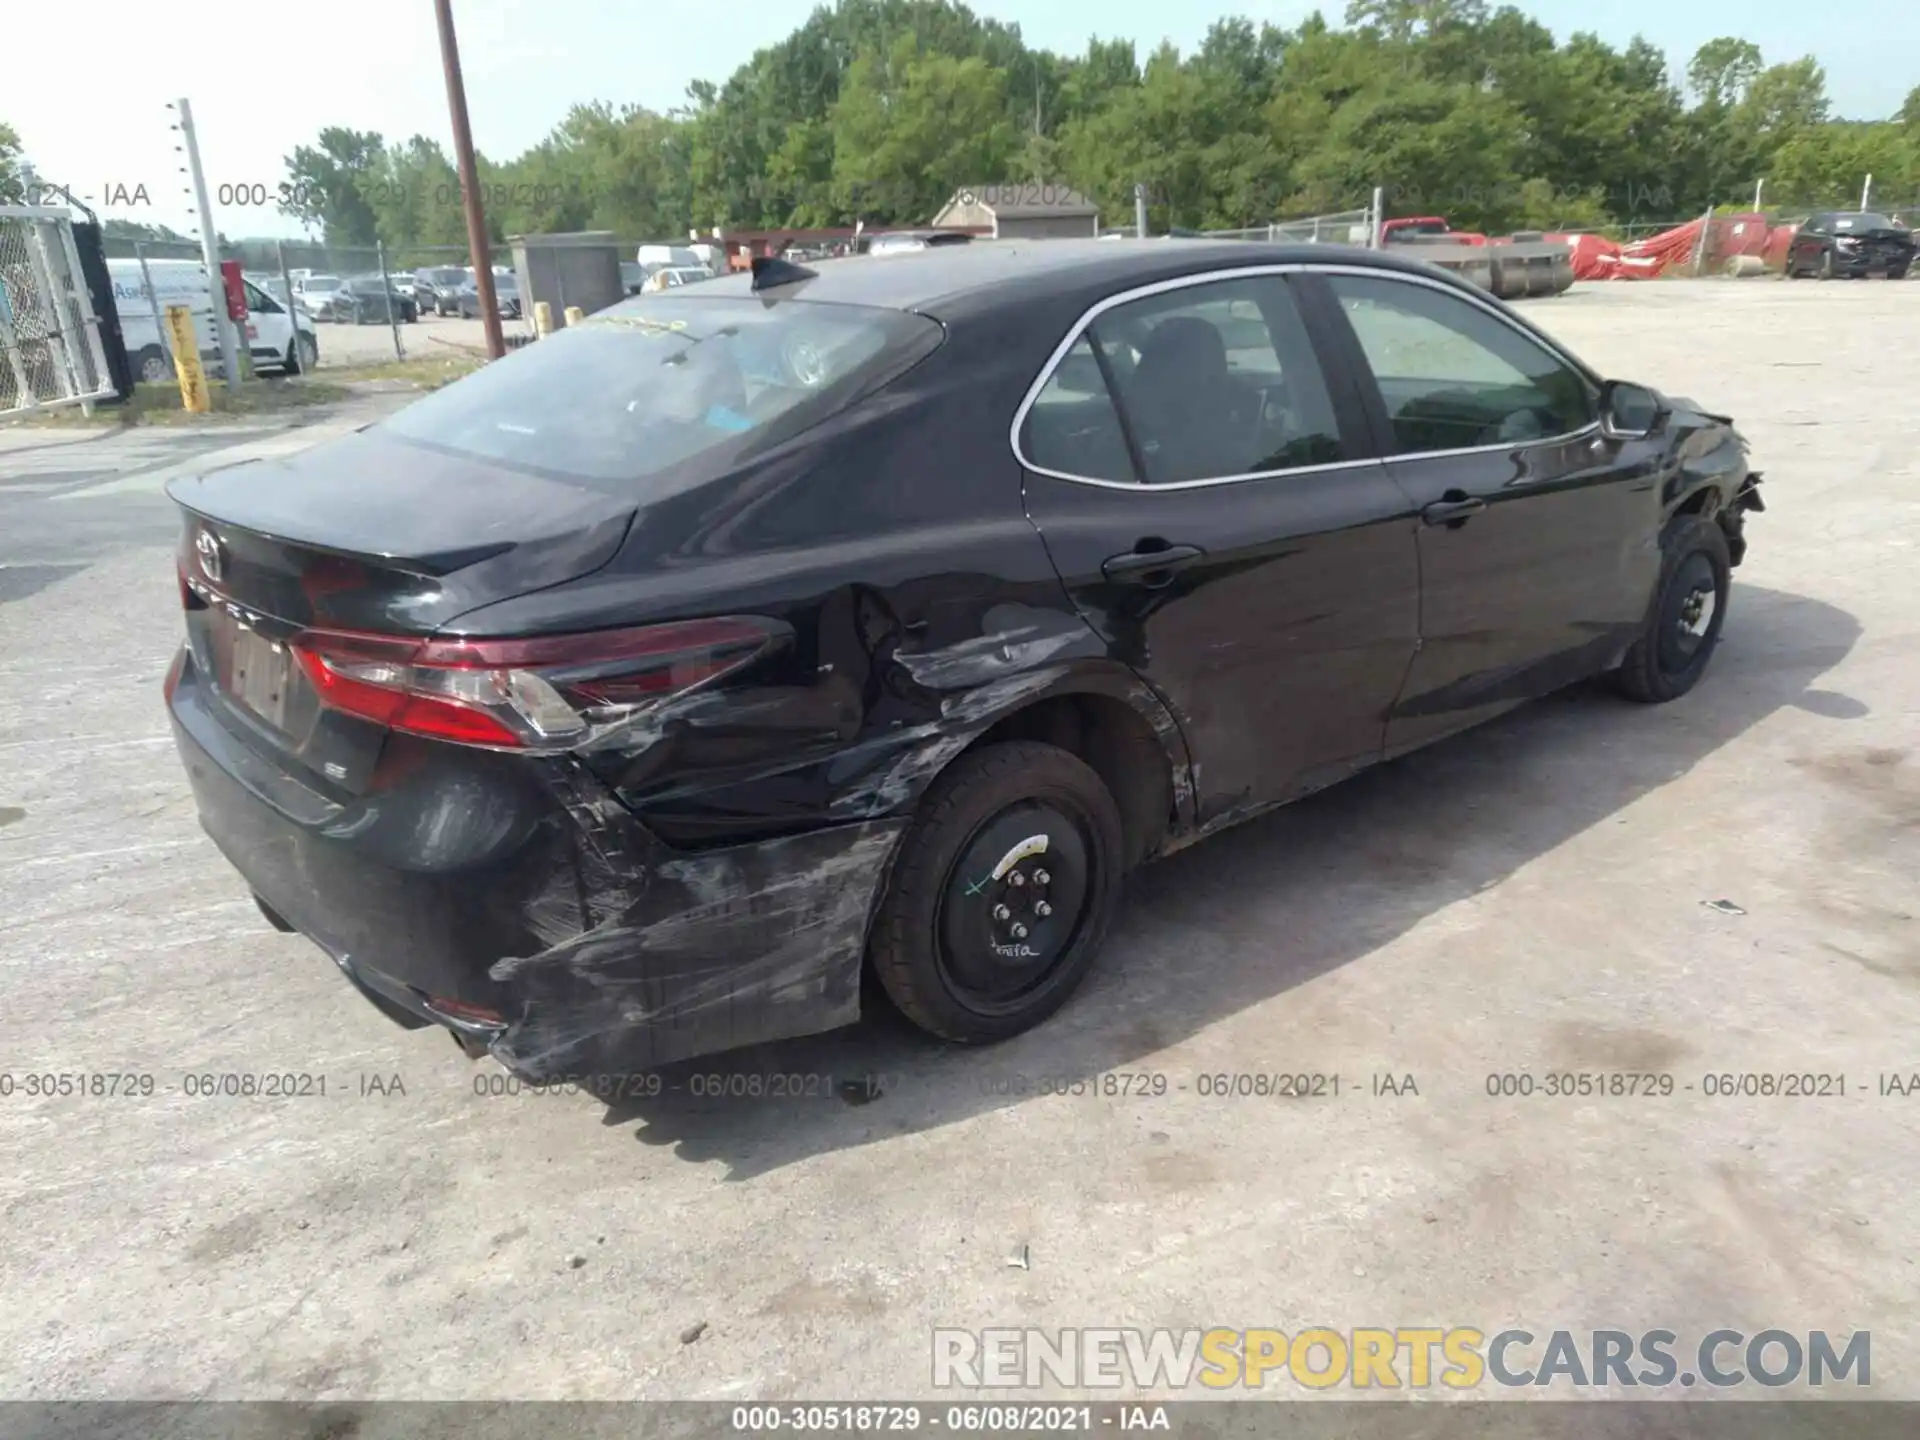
(543,692)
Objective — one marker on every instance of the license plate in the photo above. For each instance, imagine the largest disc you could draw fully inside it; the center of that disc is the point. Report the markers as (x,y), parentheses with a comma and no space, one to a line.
(259,674)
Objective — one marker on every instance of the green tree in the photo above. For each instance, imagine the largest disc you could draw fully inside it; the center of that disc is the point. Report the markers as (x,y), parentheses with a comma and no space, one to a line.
(911,126)
(324,185)
(13,185)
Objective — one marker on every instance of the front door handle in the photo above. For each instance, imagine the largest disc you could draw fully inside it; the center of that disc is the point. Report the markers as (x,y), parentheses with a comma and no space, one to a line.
(1152,568)
(1453,509)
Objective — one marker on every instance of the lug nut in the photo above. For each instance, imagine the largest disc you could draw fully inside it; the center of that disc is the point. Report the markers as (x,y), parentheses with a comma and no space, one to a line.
(1000,912)
(1016,879)
(1042,909)
(1019,932)
(1040,877)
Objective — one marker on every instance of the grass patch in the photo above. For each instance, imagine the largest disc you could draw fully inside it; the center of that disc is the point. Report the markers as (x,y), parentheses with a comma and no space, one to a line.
(160,404)
(423,372)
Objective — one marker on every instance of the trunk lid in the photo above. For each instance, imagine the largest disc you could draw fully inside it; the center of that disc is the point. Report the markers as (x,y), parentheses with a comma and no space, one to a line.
(365,533)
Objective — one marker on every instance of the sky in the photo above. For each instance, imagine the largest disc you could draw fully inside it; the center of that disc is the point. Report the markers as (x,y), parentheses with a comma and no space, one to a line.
(262,79)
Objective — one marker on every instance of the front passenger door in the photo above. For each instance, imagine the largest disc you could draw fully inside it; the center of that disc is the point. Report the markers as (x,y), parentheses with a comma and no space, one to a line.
(1539,543)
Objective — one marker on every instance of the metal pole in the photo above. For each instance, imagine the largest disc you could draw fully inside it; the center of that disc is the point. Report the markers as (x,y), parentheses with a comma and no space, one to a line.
(293,308)
(209,248)
(153,300)
(386,289)
(1759,186)
(477,246)
(1866,191)
(1374,230)
(1140,212)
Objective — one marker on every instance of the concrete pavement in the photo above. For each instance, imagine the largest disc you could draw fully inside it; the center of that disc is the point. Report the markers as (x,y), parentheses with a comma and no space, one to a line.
(1525,900)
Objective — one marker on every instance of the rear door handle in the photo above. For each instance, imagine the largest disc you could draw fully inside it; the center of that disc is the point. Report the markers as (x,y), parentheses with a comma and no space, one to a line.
(1455,510)
(1152,568)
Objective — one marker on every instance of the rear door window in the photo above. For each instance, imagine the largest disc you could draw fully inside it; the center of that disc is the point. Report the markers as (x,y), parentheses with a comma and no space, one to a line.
(635,394)
(1072,427)
(1219,380)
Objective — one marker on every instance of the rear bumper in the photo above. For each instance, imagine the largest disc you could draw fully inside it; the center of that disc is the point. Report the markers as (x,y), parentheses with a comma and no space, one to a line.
(521,887)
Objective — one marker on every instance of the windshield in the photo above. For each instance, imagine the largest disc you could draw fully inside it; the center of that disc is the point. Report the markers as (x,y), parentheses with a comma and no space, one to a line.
(322,282)
(1864,220)
(633,392)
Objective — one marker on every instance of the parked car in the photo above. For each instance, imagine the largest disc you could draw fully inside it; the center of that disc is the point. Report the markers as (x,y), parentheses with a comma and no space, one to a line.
(1851,243)
(369,300)
(898,242)
(506,297)
(671,277)
(606,709)
(275,340)
(316,293)
(437,288)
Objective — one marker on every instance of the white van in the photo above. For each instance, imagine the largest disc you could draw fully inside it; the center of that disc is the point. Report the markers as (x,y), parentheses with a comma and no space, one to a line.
(270,334)
(658,257)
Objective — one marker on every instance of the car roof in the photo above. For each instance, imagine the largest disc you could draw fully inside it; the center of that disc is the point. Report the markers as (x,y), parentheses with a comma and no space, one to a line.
(969,277)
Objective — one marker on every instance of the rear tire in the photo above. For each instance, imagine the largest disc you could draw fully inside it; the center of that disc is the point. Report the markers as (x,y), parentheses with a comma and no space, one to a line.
(1682,628)
(150,366)
(303,355)
(1897,272)
(973,944)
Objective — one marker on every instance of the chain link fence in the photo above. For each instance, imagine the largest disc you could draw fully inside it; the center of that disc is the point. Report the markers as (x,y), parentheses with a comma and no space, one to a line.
(363,305)
(1344,227)
(50,337)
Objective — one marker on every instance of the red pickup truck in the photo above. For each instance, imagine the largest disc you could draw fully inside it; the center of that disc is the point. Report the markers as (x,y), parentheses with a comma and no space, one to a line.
(1411,225)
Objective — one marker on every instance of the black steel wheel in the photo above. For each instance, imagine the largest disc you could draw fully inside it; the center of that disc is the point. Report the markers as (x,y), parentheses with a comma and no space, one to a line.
(1001,893)
(1688,611)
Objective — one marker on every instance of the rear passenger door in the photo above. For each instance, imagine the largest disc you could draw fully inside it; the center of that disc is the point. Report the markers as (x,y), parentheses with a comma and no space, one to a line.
(1207,494)
(1539,541)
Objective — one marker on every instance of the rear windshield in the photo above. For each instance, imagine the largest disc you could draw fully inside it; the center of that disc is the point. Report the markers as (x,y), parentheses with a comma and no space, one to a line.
(631,395)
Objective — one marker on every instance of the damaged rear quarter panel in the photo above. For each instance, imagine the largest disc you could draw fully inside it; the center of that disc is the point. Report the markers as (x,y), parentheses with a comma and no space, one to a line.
(731,849)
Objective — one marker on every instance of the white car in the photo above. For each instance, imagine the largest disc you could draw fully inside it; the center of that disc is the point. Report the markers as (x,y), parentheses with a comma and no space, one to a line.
(316,293)
(270,332)
(669,277)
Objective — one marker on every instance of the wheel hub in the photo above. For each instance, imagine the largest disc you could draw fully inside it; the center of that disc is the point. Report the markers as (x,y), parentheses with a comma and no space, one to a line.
(1013,904)
(1696,611)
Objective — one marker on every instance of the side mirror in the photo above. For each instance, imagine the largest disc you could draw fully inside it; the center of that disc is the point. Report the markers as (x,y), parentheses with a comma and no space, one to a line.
(1629,411)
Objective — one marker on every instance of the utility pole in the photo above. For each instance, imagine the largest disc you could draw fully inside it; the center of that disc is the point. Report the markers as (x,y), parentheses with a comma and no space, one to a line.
(1140,212)
(477,246)
(209,247)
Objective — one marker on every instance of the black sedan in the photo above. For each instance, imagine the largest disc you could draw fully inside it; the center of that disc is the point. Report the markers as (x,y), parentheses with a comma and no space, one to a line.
(369,300)
(437,288)
(506,297)
(631,698)
(1853,243)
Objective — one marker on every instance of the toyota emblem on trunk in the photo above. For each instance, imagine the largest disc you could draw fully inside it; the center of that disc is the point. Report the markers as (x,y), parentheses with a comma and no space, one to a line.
(208,544)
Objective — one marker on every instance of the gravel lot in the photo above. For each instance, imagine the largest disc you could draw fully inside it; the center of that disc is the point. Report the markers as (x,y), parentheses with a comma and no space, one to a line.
(1525,898)
(429,335)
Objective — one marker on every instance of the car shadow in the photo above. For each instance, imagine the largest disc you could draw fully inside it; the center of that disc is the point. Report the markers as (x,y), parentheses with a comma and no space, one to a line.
(1352,867)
